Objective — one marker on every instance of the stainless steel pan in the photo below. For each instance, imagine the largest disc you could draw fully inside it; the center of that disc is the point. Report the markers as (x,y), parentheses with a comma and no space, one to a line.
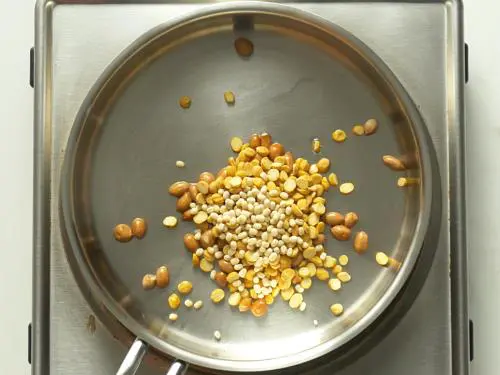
(306,78)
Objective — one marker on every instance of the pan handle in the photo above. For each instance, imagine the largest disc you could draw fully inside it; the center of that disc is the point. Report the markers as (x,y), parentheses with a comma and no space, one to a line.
(177,368)
(134,357)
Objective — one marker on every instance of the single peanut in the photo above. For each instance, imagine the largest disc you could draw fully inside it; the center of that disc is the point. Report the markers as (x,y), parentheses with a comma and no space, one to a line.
(341,232)
(371,126)
(202,187)
(207,177)
(254,141)
(178,188)
(275,150)
(289,160)
(351,219)
(334,218)
(207,239)
(139,227)
(190,242)
(361,242)
(220,279)
(243,47)
(187,215)
(393,163)
(148,281)
(225,266)
(162,277)
(265,140)
(183,202)
(122,233)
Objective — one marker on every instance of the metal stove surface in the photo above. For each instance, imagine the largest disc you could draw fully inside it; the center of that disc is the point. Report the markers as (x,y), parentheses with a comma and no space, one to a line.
(414,39)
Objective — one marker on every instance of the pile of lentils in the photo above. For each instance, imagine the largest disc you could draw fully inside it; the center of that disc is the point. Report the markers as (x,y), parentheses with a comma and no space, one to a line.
(260,224)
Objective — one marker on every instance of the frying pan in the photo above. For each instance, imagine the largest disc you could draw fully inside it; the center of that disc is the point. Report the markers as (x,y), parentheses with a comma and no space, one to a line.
(306,78)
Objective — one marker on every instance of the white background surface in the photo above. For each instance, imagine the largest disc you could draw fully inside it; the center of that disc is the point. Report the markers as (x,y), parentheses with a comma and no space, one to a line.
(16,149)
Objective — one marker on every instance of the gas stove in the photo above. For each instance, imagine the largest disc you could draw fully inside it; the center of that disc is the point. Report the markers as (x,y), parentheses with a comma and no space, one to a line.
(420,41)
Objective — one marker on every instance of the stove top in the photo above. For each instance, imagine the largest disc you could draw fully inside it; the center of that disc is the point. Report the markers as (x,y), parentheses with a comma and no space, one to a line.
(420,41)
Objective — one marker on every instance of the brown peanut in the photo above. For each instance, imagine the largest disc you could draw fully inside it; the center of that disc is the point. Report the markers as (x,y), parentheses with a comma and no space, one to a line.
(122,233)
(193,191)
(370,126)
(265,140)
(207,177)
(341,232)
(162,277)
(361,242)
(207,239)
(243,47)
(254,141)
(148,281)
(183,202)
(139,227)
(393,163)
(187,215)
(225,266)
(351,219)
(220,279)
(275,150)
(178,188)
(190,242)
(334,218)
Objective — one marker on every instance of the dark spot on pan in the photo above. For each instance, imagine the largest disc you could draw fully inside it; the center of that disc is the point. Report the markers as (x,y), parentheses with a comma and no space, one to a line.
(91,324)
(243,23)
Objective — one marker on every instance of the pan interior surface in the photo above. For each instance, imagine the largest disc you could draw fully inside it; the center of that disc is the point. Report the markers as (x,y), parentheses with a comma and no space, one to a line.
(302,82)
